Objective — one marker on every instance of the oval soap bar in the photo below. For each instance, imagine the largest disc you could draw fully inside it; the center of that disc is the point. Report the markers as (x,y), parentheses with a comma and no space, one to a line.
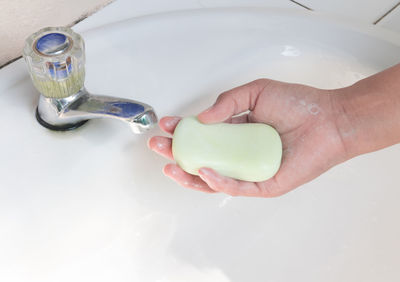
(247,151)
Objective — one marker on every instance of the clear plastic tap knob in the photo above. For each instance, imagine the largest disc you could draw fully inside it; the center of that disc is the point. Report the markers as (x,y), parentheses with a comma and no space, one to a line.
(55,57)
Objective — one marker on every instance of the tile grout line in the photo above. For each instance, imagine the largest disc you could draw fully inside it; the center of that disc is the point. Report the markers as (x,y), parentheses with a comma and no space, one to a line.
(9,62)
(301,5)
(387,13)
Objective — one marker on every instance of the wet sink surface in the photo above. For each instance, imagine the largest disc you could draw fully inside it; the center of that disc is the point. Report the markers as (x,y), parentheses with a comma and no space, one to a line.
(93,205)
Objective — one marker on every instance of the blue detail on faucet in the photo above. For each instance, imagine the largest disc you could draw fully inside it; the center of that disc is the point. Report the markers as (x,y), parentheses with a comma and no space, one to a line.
(50,43)
(59,70)
(122,109)
(53,44)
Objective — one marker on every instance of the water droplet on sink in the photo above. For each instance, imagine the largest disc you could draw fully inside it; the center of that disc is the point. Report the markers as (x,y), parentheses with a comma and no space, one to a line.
(290,51)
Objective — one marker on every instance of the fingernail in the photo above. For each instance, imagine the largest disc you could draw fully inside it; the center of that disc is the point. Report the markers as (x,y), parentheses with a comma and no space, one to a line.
(169,170)
(203,170)
(152,143)
(205,173)
(203,178)
(173,170)
(161,144)
(172,121)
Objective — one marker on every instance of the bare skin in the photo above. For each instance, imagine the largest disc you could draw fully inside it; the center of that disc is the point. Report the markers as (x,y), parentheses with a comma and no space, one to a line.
(319,129)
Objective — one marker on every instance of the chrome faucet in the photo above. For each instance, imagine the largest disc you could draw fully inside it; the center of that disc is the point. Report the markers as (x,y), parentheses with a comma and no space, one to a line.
(55,57)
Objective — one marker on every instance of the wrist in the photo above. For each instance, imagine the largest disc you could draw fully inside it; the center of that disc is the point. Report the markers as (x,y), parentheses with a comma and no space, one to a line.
(367,114)
(347,122)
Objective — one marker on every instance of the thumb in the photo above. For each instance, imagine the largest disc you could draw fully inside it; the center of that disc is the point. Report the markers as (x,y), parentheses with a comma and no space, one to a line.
(233,102)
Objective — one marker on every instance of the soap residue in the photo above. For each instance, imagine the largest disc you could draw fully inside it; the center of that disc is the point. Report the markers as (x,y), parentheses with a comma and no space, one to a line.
(313,109)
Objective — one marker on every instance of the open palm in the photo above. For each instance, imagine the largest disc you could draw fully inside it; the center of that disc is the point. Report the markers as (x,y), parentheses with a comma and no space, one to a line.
(305,118)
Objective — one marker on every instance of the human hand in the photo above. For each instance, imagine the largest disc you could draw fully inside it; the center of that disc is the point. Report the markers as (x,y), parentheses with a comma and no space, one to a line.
(305,118)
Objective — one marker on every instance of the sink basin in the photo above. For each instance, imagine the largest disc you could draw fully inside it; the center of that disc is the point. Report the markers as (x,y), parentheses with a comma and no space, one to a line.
(93,205)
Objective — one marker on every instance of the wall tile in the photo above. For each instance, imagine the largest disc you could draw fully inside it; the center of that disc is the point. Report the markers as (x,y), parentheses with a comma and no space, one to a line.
(125,9)
(392,20)
(363,10)
(20,18)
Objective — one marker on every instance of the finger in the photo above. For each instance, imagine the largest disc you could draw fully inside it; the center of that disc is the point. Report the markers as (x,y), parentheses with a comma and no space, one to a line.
(228,185)
(235,187)
(234,102)
(168,124)
(185,179)
(161,145)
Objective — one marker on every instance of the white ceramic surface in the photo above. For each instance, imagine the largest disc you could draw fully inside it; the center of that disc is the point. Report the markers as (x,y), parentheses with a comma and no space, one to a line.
(93,205)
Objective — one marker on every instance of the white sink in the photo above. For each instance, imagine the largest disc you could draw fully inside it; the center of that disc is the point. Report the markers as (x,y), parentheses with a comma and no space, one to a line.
(93,205)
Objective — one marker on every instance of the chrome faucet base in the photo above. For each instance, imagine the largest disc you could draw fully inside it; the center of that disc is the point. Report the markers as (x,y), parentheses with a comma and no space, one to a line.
(62,114)
(64,127)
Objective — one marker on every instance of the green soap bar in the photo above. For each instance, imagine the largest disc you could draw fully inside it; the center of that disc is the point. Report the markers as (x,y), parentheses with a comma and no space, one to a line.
(247,151)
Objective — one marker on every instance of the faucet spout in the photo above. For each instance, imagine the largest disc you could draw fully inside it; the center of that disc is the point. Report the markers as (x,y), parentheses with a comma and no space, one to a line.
(75,110)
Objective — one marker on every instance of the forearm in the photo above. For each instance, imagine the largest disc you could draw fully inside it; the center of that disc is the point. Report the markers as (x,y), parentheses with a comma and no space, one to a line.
(368,113)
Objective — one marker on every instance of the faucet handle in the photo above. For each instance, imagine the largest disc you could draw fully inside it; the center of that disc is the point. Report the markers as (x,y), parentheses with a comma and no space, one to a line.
(55,57)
